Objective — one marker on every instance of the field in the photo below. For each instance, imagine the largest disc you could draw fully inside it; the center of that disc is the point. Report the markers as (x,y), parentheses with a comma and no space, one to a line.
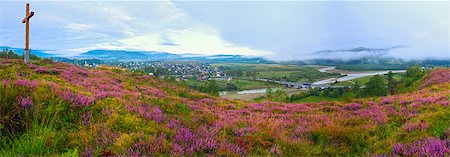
(241,84)
(253,96)
(364,80)
(292,73)
(247,84)
(57,109)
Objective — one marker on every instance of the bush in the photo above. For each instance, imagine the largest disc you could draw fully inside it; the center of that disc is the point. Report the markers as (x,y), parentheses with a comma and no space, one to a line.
(376,87)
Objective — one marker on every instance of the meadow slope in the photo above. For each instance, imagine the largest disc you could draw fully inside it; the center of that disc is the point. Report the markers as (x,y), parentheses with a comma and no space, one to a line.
(51,108)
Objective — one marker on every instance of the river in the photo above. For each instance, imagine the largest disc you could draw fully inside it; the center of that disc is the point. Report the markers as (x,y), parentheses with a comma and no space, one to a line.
(352,75)
(349,76)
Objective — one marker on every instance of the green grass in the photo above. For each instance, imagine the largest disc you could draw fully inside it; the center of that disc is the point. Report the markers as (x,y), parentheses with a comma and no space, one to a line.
(319,99)
(261,67)
(279,72)
(247,84)
(344,83)
(241,84)
(363,80)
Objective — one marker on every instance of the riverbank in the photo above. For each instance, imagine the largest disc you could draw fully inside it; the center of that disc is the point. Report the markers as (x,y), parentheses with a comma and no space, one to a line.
(350,75)
(249,95)
(347,76)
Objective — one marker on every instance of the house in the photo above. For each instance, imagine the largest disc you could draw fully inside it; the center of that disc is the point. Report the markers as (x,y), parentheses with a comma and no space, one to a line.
(202,77)
(228,78)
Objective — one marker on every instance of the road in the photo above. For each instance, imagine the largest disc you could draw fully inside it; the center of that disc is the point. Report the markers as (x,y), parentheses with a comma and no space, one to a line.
(351,76)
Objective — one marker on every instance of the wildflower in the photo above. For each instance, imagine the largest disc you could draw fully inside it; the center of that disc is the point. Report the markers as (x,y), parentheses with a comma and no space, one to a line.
(87,116)
(26,83)
(156,114)
(444,103)
(437,77)
(403,102)
(353,106)
(41,70)
(425,147)
(386,100)
(177,150)
(107,111)
(183,135)
(275,150)
(88,152)
(414,126)
(82,100)
(32,66)
(26,102)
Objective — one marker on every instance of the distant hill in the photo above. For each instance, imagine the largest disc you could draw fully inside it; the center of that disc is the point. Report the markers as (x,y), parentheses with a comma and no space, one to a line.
(122,55)
(358,49)
(359,58)
(126,55)
(19,51)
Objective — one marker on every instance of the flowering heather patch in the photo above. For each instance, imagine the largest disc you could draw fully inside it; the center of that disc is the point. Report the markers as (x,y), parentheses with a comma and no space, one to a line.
(354,106)
(415,126)
(437,77)
(26,102)
(82,100)
(425,147)
(32,66)
(26,83)
(41,70)
(386,100)
(100,112)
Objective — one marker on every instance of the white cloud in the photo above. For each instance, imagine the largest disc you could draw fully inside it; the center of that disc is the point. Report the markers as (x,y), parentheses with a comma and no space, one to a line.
(115,13)
(287,30)
(204,41)
(78,26)
(158,27)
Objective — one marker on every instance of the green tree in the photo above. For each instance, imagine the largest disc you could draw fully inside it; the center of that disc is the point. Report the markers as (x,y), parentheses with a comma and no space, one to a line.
(269,93)
(232,86)
(279,95)
(161,72)
(8,54)
(414,72)
(409,79)
(356,89)
(212,88)
(251,74)
(376,87)
(392,83)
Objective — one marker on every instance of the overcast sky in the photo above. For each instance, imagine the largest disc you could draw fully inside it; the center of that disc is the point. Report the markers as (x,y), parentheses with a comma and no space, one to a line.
(276,30)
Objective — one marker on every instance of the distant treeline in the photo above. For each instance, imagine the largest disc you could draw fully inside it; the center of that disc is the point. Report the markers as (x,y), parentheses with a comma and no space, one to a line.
(9,54)
(374,63)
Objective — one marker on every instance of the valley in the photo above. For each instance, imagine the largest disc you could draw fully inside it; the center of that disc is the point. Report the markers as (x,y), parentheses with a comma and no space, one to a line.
(86,111)
(224,78)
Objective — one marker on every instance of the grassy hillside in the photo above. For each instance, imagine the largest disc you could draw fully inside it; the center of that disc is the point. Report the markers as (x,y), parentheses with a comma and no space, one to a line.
(59,109)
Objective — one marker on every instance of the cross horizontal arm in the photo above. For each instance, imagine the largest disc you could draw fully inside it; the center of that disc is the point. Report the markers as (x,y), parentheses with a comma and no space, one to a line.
(27,17)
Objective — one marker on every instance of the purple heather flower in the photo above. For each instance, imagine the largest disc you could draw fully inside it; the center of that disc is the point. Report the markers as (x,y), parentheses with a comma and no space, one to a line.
(26,102)
(41,70)
(353,106)
(425,147)
(177,149)
(32,66)
(27,83)
(275,150)
(87,116)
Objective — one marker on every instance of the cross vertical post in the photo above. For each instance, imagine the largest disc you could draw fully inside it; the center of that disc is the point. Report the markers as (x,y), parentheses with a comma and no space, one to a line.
(26,20)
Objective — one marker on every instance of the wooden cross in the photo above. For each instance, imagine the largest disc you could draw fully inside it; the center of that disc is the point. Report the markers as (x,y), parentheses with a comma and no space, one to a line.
(26,20)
